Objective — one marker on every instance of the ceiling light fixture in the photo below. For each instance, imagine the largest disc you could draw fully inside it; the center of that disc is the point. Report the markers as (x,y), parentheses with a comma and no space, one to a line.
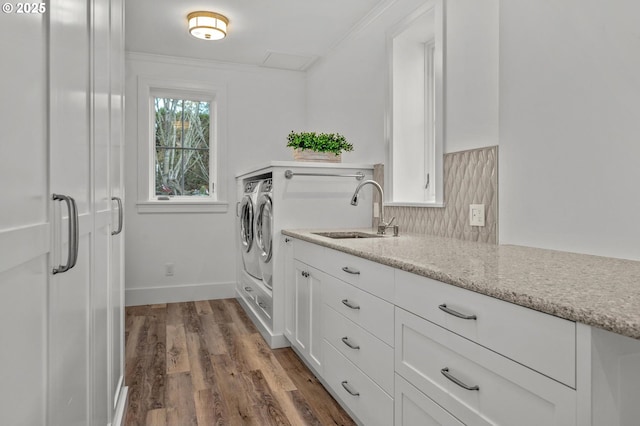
(207,25)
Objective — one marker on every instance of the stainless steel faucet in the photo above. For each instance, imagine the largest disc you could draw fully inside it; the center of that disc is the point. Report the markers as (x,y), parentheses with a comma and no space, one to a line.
(382,226)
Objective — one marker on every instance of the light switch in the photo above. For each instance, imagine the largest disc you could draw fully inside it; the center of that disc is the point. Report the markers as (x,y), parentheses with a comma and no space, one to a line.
(476,214)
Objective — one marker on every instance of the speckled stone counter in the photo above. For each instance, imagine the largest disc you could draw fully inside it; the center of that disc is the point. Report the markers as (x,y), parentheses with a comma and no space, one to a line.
(598,291)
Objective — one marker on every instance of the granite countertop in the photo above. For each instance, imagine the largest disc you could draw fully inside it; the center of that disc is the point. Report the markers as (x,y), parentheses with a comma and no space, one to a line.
(598,291)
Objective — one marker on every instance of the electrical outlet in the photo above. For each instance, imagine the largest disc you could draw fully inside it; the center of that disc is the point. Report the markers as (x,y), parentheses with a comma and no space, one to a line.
(476,214)
(168,270)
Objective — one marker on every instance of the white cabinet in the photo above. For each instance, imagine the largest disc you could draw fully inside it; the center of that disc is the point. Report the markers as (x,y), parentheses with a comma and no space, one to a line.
(518,333)
(473,382)
(63,136)
(303,295)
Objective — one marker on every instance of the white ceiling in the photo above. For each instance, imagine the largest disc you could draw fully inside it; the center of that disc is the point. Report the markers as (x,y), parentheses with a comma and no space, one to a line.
(287,34)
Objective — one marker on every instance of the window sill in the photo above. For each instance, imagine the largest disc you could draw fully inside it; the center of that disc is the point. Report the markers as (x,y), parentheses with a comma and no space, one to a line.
(410,204)
(175,206)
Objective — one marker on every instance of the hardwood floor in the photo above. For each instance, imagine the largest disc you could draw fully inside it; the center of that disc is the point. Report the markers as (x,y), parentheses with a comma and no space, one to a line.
(204,363)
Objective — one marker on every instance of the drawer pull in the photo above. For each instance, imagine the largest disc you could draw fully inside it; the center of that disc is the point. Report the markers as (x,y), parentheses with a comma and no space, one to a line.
(304,274)
(344,385)
(348,304)
(350,270)
(262,305)
(248,289)
(450,311)
(445,372)
(345,340)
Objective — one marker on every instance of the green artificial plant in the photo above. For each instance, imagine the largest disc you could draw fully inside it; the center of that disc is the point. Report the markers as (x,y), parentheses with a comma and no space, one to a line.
(320,142)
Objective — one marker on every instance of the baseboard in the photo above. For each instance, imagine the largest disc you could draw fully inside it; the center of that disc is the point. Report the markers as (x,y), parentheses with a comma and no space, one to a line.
(178,293)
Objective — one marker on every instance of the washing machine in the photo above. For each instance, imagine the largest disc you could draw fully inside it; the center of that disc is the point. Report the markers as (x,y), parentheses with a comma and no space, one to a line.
(264,231)
(248,246)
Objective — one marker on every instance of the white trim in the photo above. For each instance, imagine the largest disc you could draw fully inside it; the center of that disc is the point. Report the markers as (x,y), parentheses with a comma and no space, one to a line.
(403,204)
(147,87)
(121,408)
(178,293)
(19,245)
(273,340)
(171,206)
(204,63)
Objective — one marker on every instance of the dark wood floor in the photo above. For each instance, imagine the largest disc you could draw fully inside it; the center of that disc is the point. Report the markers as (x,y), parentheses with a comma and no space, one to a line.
(204,363)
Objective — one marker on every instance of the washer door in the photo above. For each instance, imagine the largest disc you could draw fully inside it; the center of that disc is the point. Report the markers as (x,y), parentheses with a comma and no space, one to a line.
(246,223)
(264,227)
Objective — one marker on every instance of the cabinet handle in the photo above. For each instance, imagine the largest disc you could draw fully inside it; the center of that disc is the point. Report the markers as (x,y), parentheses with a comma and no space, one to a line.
(350,270)
(305,274)
(348,304)
(262,305)
(72,256)
(120,212)
(345,340)
(344,385)
(445,372)
(248,289)
(286,240)
(450,311)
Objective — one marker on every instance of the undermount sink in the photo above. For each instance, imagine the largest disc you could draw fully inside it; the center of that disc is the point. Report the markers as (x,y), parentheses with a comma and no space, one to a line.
(341,235)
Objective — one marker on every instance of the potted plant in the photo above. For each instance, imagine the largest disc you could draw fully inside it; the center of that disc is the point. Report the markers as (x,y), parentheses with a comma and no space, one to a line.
(312,146)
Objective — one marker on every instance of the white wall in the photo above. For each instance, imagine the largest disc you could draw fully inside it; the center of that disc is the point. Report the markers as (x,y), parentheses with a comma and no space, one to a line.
(347,89)
(570,125)
(264,105)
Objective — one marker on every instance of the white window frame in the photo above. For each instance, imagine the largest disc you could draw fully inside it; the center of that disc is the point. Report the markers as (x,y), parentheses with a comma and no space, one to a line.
(434,139)
(148,202)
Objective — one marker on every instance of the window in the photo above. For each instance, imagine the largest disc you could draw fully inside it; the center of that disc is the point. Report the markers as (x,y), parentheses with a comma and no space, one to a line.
(181,147)
(182,164)
(416,108)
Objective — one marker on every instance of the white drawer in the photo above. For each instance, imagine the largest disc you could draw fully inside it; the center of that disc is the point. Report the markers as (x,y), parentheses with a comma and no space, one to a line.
(508,393)
(372,277)
(311,254)
(542,342)
(371,405)
(413,408)
(370,354)
(370,312)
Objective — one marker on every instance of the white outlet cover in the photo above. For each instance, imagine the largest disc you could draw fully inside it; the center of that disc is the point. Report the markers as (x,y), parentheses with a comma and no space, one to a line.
(476,214)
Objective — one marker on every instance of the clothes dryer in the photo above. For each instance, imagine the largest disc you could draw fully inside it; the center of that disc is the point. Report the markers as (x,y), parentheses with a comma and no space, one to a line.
(248,247)
(264,231)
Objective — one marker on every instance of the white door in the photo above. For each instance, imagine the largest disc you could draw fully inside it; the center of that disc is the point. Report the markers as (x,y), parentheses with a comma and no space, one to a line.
(71,175)
(24,219)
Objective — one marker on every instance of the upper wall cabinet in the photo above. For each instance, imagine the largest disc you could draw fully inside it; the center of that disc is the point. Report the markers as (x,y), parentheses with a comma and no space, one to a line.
(415,107)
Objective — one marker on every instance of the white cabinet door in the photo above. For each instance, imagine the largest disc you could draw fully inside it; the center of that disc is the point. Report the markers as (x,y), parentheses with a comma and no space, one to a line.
(70,174)
(307,313)
(24,222)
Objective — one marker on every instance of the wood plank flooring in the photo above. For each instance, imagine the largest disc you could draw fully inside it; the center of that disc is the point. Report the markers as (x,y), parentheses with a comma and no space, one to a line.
(204,363)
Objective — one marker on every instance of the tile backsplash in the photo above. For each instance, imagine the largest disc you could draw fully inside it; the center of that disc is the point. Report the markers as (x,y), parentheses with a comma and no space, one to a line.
(470,177)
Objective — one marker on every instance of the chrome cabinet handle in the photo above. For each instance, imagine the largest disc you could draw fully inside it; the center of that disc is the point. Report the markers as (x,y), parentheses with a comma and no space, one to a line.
(344,385)
(450,311)
(445,372)
(248,289)
(350,270)
(120,213)
(262,305)
(345,340)
(72,256)
(348,304)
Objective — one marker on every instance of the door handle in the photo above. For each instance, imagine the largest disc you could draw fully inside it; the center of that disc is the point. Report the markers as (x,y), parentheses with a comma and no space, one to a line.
(72,254)
(120,213)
